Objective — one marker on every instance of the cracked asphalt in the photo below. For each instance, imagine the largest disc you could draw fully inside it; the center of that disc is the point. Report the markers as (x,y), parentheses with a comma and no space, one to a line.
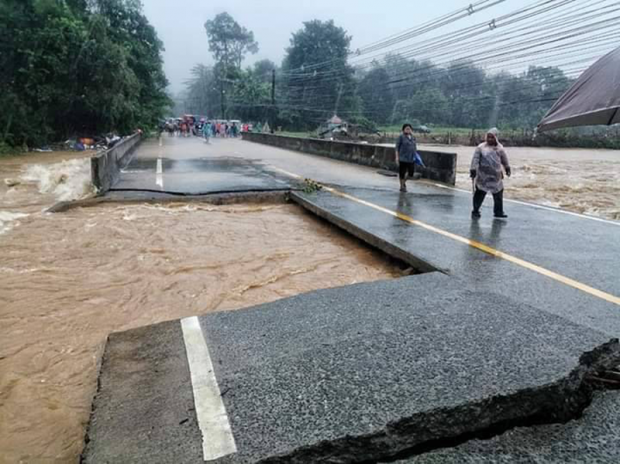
(368,371)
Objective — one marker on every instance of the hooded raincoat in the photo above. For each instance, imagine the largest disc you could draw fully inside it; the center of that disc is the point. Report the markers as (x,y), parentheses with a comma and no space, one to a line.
(488,161)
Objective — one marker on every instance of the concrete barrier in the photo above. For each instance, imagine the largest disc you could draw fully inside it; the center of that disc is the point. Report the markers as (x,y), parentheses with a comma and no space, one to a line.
(440,166)
(105,167)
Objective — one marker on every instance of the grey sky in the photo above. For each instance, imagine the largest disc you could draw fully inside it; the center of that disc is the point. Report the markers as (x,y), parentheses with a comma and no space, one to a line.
(181,24)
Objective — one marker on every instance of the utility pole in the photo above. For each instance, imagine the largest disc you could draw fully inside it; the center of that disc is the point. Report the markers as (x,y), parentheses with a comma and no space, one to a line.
(273,87)
(273,100)
(338,99)
(222,102)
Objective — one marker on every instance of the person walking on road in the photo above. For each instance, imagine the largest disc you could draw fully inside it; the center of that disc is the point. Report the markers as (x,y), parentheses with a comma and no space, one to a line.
(487,174)
(206,131)
(406,149)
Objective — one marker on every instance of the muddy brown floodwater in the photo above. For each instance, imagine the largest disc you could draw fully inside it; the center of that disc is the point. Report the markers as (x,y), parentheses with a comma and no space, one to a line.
(579,180)
(68,280)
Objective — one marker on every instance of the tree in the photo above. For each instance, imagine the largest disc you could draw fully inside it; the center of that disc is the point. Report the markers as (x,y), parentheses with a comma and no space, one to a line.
(129,26)
(427,105)
(377,97)
(228,41)
(263,70)
(202,94)
(251,97)
(319,82)
(77,68)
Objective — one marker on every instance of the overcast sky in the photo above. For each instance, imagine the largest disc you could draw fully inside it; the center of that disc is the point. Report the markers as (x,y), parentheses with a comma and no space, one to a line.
(181,24)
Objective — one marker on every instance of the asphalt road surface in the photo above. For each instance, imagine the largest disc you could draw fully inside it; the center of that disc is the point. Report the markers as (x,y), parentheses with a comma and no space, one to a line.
(493,338)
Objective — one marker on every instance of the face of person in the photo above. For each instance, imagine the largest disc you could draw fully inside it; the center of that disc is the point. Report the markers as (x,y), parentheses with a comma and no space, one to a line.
(408,131)
(491,140)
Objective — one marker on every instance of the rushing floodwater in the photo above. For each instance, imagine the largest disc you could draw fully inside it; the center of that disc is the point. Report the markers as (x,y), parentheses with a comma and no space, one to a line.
(67,280)
(579,180)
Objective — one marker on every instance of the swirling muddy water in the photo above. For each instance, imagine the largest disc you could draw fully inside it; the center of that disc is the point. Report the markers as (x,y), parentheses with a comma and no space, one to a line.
(67,280)
(578,180)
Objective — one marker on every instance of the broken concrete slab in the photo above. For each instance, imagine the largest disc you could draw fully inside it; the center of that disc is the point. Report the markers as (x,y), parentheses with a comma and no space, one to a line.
(556,247)
(196,176)
(144,409)
(591,438)
(397,251)
(357,373)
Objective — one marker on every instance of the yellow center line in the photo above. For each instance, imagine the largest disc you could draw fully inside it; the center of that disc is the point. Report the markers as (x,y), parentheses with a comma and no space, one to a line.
(474,244)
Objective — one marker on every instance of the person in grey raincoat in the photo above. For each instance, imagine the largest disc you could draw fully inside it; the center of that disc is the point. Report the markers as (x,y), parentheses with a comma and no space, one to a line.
(486,170)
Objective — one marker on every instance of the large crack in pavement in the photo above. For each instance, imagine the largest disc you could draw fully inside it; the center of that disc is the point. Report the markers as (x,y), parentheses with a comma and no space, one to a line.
(557,402)
(355,374)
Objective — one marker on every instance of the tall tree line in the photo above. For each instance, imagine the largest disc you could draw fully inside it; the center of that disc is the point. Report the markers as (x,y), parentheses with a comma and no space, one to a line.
(316,81)
(226,90)
(77,67)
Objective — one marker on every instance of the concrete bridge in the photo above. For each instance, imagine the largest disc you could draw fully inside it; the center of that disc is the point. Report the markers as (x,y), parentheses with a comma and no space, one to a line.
(509,326)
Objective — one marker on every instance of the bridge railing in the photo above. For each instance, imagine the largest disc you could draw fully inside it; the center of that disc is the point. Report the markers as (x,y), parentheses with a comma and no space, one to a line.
(439,166)
(105,167)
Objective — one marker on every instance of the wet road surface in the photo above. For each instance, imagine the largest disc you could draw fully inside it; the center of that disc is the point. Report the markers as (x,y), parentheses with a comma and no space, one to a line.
(577,247)
(189,166)
(518,301)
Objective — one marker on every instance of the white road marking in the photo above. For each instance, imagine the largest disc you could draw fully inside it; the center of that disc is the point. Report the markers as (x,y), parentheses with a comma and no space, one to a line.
(474,244)
(286,173)
(217,437)
(159,180)
(535,205)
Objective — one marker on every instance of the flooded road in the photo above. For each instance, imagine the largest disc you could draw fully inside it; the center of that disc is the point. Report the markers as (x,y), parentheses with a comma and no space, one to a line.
(67,280)
(579,180)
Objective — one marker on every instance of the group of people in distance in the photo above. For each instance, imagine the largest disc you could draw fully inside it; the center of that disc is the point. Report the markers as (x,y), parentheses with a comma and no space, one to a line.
(188,127)
(223,129)
(219,129)
(488,166)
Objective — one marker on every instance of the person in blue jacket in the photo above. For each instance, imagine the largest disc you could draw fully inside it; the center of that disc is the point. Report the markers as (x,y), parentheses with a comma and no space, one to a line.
(206,131)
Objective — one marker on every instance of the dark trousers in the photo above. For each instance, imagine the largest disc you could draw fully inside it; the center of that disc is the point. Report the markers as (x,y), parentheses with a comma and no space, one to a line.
(404,169)
(498,201)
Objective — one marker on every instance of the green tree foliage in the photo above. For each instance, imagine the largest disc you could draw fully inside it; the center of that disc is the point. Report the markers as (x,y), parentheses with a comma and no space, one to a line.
(71,67)
(263,70)
(251,100)
(319,82)
(316,81)
(463,94)
(228,41)
(377,97)
(248,94)
(202,94)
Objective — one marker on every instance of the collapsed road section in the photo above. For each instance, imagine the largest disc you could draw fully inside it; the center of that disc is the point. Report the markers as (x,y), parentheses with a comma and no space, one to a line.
(353,374)
(67,280)
(503,330)
(590,438)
